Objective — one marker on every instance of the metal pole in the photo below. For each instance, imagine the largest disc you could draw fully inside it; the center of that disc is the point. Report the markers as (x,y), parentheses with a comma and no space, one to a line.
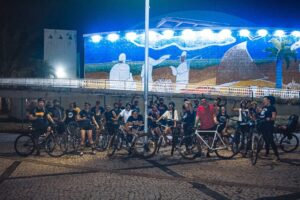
(146,63)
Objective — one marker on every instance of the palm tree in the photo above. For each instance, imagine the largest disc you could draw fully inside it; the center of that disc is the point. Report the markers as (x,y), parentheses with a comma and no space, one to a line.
(17,57)
(281,50)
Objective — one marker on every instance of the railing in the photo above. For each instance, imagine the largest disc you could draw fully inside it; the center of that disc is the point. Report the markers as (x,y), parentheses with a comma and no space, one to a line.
(163,87)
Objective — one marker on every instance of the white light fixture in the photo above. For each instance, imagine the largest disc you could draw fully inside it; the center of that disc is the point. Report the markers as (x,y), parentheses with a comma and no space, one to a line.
(279,33)
(131,36)
(96,38)
(296,33)
(168,34)
(225,33)
(188,34)
(113,37)
(262,32)
(60,72)
(244,33)
(206,33)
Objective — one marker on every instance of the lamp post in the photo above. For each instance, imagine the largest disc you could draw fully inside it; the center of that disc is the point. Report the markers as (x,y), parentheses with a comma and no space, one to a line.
(147,2)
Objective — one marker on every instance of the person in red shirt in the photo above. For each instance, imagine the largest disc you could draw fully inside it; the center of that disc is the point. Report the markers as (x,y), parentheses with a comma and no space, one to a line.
(206,115)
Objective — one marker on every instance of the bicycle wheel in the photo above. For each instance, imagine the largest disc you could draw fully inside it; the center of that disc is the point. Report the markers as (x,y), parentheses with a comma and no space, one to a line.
(289,143)
(145,146)
(53,145)
(112,146)
(189,148)
(254,150)
(103,142)
(24,145)
(223,148)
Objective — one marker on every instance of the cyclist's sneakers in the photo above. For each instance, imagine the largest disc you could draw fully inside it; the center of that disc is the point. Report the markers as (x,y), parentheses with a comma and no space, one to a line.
(93,152)
(81,153)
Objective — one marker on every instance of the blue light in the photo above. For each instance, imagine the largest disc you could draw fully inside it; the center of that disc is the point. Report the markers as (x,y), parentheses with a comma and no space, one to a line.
(244,33)
(131,36)
(113,37)
(262,32)
(96,38)
(279,33)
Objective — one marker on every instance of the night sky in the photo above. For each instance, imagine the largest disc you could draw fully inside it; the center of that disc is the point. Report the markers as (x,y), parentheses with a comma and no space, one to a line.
(88,16)
(107,15)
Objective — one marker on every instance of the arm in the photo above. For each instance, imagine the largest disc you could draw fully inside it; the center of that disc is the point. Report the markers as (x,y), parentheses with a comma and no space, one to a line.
(50,119)
(95,122)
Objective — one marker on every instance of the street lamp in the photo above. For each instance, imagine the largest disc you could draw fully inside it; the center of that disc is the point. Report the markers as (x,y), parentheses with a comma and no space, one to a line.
(147,2)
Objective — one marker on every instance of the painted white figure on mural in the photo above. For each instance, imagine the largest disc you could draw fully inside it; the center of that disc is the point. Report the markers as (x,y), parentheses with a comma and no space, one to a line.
(181,72)
(152,63)
(120,73)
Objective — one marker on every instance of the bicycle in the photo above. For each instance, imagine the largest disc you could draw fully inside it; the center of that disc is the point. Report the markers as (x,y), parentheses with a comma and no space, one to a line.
(141,144)
(191,146)
(53,143)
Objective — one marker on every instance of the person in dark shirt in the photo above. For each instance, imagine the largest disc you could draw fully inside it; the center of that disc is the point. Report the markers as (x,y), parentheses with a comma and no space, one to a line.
(58,115)
(188,122)
(98,112)
(135,121)
(109,116)
(71,113)
(85,120)
(222,119)
(40,117)
(267,117)
(162,108)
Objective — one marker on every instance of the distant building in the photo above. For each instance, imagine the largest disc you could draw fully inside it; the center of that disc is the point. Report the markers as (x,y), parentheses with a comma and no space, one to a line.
(60,51)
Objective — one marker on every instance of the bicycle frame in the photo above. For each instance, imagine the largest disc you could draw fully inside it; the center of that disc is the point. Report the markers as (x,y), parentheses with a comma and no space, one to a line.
(216,135)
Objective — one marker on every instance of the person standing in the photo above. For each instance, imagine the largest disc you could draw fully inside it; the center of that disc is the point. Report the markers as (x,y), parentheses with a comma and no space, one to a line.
(268,117)
(207,117)
(85,120)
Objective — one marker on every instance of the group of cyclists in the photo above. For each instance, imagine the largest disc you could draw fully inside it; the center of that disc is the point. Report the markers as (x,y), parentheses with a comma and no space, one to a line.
(195,115)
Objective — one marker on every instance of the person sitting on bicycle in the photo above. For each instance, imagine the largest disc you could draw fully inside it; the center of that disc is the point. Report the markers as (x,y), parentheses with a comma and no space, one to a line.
(85,120)
(40,118)
(171,117)
(153,116)
(126,113)
(267,119)
(222,120)
(207,117)
(134,124)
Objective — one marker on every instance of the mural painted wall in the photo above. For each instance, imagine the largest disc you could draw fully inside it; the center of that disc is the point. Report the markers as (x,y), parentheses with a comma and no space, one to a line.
(254,57)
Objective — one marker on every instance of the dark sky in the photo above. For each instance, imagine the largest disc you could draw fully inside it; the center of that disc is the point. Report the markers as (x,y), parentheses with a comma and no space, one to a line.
(107,15)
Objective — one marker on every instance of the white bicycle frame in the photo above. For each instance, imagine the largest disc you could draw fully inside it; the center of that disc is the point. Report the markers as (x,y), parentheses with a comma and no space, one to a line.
(216,134)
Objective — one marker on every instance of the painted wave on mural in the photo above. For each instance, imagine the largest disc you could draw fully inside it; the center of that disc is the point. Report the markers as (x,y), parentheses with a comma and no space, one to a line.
(197,40)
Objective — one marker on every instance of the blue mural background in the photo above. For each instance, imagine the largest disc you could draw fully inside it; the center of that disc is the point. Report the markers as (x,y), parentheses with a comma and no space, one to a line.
(209,50)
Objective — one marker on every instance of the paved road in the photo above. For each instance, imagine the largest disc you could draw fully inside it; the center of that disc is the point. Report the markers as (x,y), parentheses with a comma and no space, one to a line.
(162,177)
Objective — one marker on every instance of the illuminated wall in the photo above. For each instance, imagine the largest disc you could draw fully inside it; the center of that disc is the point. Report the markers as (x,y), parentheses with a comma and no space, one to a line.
(238,57)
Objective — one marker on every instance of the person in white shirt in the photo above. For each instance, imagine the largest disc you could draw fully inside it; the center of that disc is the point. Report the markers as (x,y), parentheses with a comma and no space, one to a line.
(171,116)
(126,113)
